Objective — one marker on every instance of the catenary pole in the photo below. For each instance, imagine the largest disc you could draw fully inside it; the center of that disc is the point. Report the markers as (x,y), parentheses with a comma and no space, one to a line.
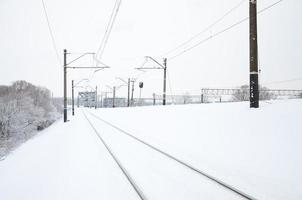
(113,100)
(254,88)
(132,93)
(162,66)
(65,87)
(96,97)
(72,96)
(165,81)
(154,101)
(67,65)
(128,101)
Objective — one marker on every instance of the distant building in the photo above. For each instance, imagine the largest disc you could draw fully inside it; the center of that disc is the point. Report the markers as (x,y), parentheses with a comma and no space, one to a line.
(87,99)
(119,102)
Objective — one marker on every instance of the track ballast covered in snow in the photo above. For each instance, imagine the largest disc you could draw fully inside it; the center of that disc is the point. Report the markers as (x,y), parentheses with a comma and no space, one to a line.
(255,152)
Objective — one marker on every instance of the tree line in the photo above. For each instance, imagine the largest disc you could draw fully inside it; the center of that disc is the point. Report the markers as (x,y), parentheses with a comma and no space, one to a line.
(24,110)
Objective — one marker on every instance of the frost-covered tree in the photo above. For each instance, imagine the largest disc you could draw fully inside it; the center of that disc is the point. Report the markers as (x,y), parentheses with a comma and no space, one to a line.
(24,109)
(265,94)
(243,94)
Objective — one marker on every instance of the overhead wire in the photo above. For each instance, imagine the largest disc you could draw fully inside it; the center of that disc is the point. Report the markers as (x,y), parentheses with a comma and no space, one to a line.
(170,86)
(222,31)
(284,81)
(51,33)
(206,29)
(110,24)
(107,27)
(105,38)
(100,50)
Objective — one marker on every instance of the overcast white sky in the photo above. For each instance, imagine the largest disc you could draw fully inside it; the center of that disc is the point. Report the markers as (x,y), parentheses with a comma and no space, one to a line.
(150,28)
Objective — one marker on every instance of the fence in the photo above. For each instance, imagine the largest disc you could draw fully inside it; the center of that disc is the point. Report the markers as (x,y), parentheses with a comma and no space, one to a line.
(206,96)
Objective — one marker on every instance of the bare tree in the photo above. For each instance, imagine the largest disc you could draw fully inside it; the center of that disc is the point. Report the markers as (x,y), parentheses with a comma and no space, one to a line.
(265,94)
(243,94)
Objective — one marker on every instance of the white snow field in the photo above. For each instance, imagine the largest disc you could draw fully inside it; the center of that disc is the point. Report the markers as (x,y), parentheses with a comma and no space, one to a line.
(256,151)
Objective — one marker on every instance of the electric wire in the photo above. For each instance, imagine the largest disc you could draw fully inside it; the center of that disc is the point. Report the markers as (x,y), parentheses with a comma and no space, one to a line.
(104,41)
(219,182)
(110,24)
(51,33)
(284,81)
(222,31)
(170,87)
(206,29)
(107,28)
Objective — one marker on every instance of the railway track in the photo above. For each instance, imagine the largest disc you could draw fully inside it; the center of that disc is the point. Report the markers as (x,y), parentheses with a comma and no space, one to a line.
(122,168)
(179,161)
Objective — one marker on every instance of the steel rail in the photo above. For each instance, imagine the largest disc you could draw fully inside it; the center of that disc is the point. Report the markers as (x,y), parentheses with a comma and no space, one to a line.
(131,181)
(214,179)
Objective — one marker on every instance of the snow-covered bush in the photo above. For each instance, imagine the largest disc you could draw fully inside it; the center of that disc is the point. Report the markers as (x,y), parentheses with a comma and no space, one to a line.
(24,109)
(58,104)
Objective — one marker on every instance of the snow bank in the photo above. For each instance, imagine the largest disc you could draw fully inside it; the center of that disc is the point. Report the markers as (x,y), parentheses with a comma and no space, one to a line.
(257,150)
(254,150)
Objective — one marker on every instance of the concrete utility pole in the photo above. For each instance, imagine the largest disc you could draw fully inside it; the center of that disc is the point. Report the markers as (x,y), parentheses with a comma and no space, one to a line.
(254,87)
(65,86)
(72,96)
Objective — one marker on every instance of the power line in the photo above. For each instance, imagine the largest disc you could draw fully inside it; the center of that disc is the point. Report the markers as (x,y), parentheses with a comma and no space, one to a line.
(51,33)
(110,24)
(170,86)
(105,38)
(284,81)
(222,31)
(206,29)
(107,28)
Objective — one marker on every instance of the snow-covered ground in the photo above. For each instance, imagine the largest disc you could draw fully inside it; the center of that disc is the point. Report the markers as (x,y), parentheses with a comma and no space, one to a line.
(257,151)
